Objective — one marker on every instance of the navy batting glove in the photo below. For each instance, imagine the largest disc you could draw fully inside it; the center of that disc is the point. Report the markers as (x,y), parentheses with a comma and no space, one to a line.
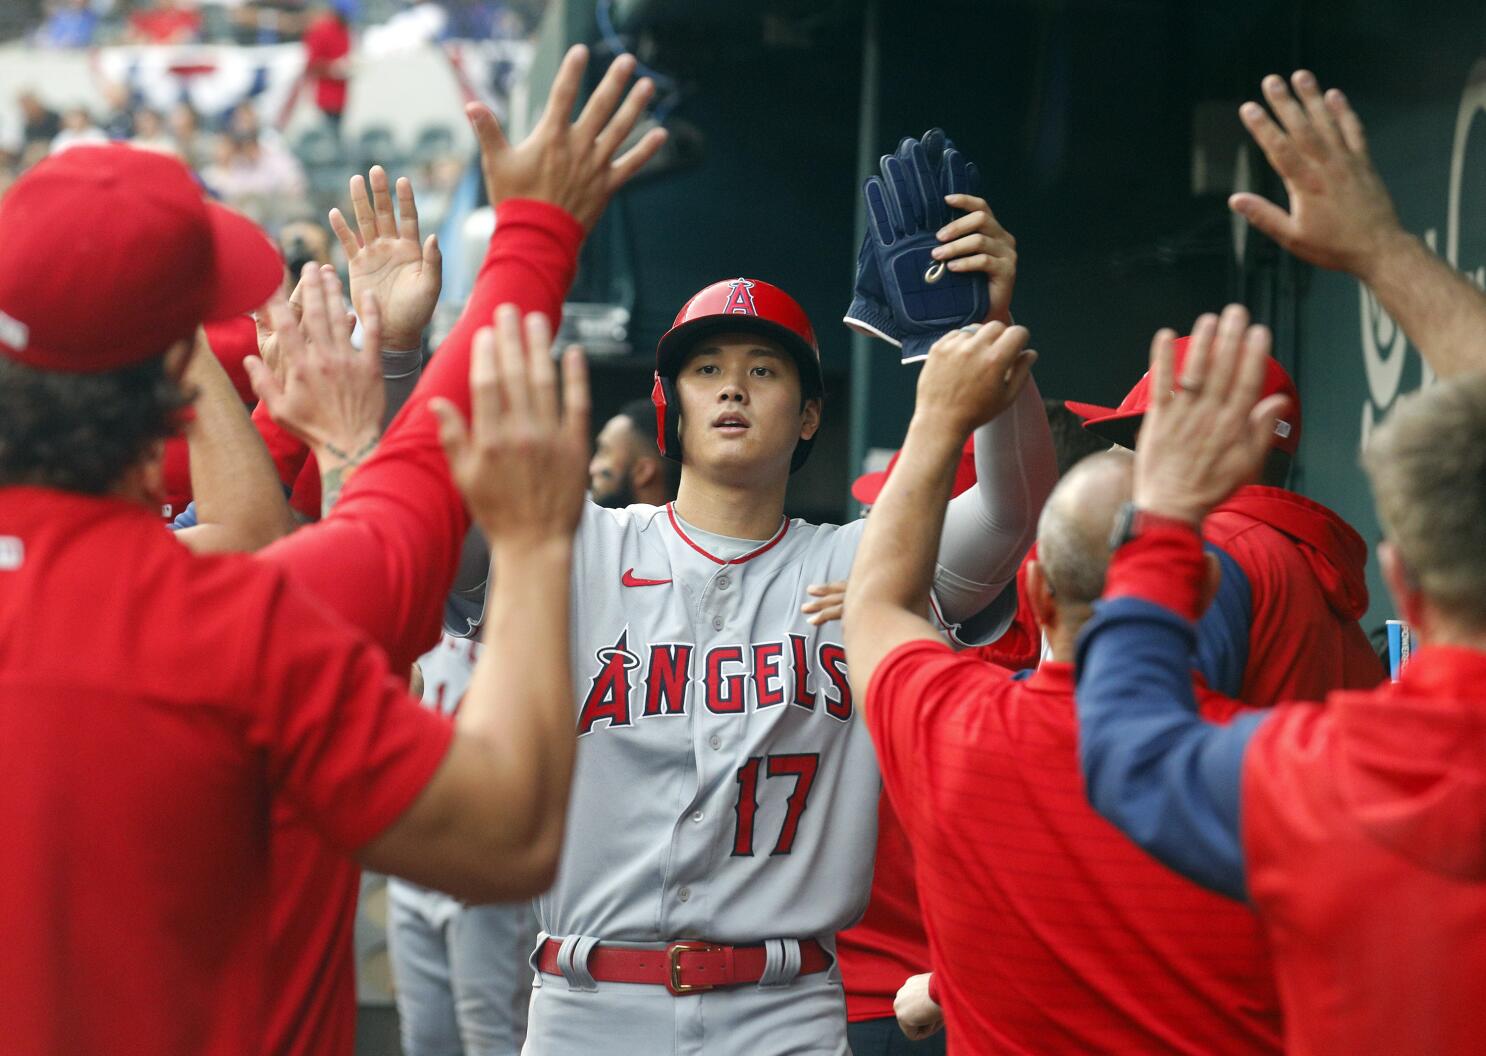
(905,208)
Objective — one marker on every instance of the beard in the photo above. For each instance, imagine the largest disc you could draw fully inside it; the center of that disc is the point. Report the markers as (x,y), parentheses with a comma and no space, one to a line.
(622,494)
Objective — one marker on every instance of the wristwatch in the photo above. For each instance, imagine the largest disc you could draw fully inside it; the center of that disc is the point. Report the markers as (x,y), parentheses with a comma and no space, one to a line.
(1132,522)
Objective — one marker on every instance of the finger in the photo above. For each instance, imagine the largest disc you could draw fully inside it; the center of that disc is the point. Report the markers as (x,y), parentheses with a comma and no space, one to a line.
(564,91)
(335,309)
(1348,121)
(1279,149)
(366,217)
(487,128)
(1292,116)
(977,243)
(623,123)
(313,318)
(1163,368)
(1018,373)
(634,159)
(485,409)
(605,98)
(978,217)
(265,385)
(541,371)
(1262,419)
(1309,92)
(1199,346)
(453,433)
(433,261)
(1218,387)
(1263,214)
(576,408)
(350,244)
(382,203)
(407,211)
(821,590)
(1001,342)
(510,361)
(1253,364)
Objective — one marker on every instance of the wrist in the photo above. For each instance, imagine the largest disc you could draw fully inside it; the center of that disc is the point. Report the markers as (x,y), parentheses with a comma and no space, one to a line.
(937,435)
(350,446)
(1394,248)
(545,554)
(1169,508)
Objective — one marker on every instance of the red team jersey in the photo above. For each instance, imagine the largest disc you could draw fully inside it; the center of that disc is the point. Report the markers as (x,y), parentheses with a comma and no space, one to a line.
(153,705)
(1050,931)
(383,560)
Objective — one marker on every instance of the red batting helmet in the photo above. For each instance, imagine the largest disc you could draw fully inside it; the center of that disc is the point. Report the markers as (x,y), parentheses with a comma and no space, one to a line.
(749,305)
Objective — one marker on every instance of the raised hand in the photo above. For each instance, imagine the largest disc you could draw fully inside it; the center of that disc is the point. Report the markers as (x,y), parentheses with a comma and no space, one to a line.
(386,260)
(325,391)
(978,242)
(522,460)
(1340,214)
(971,376)
(1207,433)
(571,163)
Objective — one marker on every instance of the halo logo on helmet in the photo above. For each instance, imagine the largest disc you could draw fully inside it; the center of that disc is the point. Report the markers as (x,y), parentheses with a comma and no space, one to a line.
(749,305)
(740,298)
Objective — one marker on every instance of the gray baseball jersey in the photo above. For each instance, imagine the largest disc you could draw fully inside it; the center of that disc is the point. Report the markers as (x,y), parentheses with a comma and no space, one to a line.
(460,971)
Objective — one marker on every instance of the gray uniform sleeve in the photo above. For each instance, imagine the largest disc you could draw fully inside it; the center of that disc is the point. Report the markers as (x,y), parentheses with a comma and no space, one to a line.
(400,372)
(988,529)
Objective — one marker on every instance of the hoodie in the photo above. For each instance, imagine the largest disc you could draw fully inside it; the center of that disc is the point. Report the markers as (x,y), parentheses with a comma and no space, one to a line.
(1365,842)
(1304,572)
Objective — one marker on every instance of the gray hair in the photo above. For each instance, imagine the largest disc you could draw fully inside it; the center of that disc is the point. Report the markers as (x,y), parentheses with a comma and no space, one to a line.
(1427,467)
(1073,531)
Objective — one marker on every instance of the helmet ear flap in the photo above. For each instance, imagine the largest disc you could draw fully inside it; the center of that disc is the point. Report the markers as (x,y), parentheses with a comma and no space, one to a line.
(667,417)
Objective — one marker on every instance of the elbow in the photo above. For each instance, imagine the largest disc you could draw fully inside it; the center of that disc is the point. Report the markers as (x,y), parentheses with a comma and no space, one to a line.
(514,874)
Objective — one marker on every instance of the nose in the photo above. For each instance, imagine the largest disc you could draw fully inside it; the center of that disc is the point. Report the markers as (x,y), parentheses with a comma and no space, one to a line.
(733,389)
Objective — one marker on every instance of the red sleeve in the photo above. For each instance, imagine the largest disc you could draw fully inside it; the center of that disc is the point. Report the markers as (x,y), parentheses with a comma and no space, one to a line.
(913,700)
(306,498)
(385,557)
(1164,564)
(287,451)
(343,740)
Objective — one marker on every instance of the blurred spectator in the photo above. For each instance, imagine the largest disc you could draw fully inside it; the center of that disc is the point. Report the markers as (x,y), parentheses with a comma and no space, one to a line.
(77,128)
(260,178)
(186,134)
(119,120)
(303,241)
(69,24)
(150,133)
(165,22)
(39,126)
(327,46)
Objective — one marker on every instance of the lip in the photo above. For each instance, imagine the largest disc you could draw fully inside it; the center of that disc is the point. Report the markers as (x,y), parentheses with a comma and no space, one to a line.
(731,422)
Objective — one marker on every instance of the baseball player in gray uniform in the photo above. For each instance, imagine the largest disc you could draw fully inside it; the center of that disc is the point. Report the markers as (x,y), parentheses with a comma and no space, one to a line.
(460,972)
(723,815)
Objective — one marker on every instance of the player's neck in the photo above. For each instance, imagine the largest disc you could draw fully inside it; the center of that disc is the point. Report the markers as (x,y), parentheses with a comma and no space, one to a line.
(738,511)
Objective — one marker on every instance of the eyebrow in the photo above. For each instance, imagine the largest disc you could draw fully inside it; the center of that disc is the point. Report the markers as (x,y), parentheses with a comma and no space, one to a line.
(757,350)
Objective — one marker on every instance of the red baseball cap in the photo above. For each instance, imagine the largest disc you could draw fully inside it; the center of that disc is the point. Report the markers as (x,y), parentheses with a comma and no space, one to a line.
(1119,425)
(110,254)
(868,486)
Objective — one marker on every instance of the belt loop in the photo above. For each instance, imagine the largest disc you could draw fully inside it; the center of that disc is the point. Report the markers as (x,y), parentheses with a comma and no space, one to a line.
(781,962)
(572,962)
(535,960)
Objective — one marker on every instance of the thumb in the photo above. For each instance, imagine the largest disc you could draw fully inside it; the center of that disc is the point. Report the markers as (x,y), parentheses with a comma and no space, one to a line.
(1262,421)
(487,128)
(265,386)
(1262,213)
(433,262)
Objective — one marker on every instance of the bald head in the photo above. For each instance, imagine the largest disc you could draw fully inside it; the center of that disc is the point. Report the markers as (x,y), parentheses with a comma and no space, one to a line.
(1073,533)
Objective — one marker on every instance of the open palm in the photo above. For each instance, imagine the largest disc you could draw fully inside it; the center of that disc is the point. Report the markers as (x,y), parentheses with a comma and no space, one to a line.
(386,259)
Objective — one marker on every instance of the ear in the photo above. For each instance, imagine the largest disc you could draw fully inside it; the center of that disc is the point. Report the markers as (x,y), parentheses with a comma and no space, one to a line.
(1408,602)
(1212,575)
(810,418)
(643,471)
(1040,597)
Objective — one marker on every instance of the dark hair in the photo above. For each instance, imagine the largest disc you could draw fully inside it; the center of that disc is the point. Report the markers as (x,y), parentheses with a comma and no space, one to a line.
(641,415)
(81,432)
(1072,443)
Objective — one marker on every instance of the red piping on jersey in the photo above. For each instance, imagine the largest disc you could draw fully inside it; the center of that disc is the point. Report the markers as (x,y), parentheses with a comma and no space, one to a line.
(671,513)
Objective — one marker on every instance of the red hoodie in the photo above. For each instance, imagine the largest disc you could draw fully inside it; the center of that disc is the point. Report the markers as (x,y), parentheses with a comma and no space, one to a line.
(1364,830)
(1308,586)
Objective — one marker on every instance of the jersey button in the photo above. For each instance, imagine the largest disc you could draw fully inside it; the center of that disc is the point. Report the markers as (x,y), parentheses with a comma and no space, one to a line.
(723,582)
(717,623)
(684,894)
(696,815)
(714,742)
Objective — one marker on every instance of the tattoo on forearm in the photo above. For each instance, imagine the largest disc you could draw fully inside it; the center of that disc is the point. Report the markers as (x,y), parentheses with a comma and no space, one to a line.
(333,478)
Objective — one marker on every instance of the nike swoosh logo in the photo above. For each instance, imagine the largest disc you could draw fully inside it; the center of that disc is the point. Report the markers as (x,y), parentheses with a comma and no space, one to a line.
(629,579)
